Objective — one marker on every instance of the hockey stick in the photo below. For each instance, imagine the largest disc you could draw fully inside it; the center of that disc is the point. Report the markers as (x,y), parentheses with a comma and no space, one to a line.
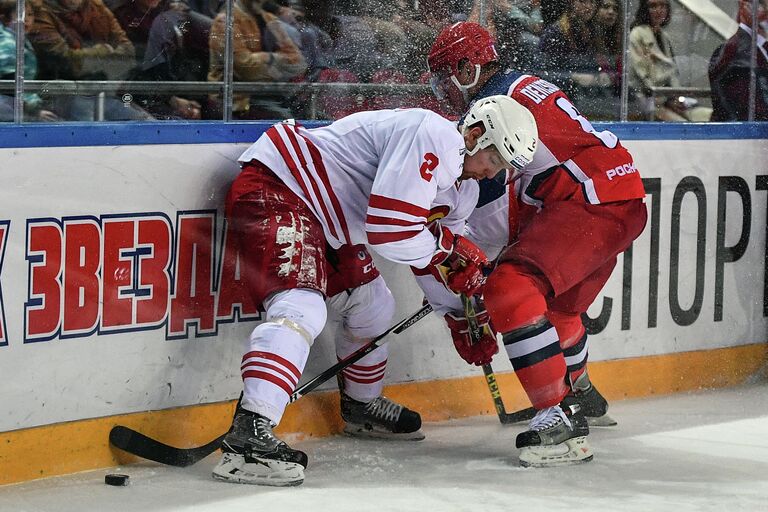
(138,444)
(475,334)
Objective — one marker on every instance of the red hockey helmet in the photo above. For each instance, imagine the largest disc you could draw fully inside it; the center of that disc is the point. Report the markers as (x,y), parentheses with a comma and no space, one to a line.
(463,40)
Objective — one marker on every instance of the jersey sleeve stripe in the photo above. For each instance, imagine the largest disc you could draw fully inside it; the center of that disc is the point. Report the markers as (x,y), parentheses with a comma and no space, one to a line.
(587,185)
(396,205)
(307,174)
(317,160)
(390,221)
(517,82)
(421,271)
(378,212)
(376,238)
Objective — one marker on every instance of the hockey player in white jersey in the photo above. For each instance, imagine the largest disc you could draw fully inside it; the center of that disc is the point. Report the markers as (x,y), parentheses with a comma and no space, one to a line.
(304,196)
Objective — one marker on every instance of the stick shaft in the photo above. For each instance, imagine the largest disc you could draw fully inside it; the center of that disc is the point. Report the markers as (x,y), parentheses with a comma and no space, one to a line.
(490,377)
(359,353)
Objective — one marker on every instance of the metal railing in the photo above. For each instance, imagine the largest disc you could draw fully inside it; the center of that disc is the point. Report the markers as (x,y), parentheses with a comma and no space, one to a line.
(100,89)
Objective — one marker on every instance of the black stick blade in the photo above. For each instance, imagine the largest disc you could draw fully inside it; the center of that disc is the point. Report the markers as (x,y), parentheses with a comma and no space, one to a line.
(518,416)
(145,447)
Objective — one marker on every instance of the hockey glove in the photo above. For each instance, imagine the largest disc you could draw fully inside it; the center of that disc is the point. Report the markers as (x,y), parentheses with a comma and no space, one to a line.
(482,351)
(457,262)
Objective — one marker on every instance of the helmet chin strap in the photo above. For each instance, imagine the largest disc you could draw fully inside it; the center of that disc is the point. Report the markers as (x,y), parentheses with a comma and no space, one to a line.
(465,88)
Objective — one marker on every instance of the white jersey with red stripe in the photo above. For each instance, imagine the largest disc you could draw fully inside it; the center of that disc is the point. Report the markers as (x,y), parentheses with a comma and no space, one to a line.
(370,177)
(572,157)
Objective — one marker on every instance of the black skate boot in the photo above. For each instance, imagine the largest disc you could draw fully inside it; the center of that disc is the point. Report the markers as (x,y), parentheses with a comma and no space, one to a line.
(253,455)
(592,403)
(380,418)
(557,436)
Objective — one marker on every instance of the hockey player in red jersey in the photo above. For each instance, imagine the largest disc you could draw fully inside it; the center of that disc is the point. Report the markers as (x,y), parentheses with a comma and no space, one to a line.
(573,210)
(300,210)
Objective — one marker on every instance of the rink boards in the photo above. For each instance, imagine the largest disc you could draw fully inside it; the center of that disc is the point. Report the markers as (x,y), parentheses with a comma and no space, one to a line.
(119,294)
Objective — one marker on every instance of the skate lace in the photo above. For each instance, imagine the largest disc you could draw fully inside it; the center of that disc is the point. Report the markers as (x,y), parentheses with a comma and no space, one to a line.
(263,430)
(384,408)
(548,418)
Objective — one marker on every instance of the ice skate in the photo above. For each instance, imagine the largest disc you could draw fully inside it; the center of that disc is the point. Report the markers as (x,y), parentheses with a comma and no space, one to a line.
(253,455)
(557,436)
(380,418)
(592,403)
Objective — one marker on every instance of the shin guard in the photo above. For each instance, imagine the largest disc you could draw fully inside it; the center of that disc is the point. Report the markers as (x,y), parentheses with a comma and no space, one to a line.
(516,303)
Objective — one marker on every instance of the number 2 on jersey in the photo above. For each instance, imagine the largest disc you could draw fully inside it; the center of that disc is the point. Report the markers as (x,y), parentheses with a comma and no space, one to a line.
(428,165)
(607,138)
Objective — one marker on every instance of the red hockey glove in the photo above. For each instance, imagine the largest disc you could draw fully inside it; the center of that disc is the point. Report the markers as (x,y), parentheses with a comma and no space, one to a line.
(483,350)
(458,262)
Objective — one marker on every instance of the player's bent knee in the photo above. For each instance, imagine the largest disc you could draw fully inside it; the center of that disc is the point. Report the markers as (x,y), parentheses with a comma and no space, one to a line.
(372,309)
(513,298)
(301,310)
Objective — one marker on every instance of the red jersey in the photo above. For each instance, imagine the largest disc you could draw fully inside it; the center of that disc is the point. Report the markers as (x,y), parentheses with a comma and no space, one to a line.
(573,160)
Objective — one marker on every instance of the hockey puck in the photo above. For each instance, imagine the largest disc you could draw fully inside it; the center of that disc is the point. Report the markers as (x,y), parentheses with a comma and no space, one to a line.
(115,479)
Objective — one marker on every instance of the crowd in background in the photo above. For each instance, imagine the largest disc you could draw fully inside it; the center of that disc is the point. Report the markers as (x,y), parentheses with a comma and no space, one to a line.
(577,44)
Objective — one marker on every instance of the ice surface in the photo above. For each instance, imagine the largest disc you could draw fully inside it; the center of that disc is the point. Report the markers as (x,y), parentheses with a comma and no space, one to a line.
(696,452)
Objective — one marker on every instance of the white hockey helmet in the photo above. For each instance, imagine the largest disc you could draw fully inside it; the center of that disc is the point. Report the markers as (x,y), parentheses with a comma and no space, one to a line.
(509,126)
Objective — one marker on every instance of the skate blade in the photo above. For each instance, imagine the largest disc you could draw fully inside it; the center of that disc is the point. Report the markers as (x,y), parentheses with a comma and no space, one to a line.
(601,421)
(572,451)
(369,432)
(233,468)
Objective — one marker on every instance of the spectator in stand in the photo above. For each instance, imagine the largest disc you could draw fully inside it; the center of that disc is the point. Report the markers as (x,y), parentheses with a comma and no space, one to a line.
(316,24)
(344,65)
(569,43)
(366,40)
(503,21)
(419,37)
(527,15)
(569,57)
(652,64)
(262,52)
(136,17)
(729,69)
(609,34)
(208,8)
(174,49)
(391,39)
(287,16)
(551,10)
(354,43)
(315,44)
(316,47)
(34,109)
(440,13)
(82,40)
